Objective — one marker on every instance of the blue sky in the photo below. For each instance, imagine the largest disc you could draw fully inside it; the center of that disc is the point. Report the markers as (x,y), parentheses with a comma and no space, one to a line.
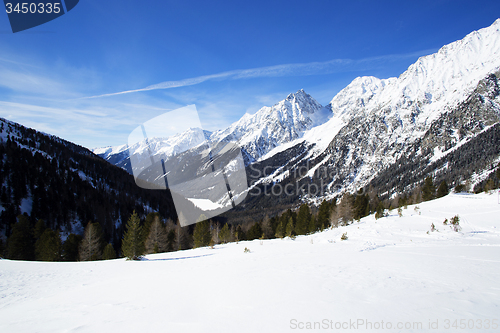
(226,57)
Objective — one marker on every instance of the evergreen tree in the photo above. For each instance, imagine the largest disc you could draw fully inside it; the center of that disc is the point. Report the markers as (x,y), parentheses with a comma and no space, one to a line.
(20,245)
(109,252)
(2,248)
(379,212)
(360,205)
(267,229)
(70,247)
(460,188)
(303,219)
(240,234)
(254,232)
(201,234)
(289,228)
(181,237)
(148,222)
(91,244)
(323,215)
(280,232)
(428,189)
(171,240)
(312,225)
(48,246)
(442,189)
(39,229)
(225,234)
(133,244)
(490,185)
(156,242)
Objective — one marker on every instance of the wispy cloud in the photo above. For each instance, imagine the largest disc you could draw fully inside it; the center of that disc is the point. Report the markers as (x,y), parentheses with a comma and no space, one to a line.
(91,125)
(298,69)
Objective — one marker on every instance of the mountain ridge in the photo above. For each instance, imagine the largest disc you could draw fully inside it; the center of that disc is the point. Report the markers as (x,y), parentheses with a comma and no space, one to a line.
(372,123)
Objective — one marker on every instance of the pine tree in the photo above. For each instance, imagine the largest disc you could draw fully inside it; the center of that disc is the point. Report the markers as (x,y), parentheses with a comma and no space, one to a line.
(442,189)
(170,240)
(323,215)
(240,234)
(181,237)
(20,245)
(267,230)
(91,244)
(312,225)
(133,244)
(109,252)
(280,232)
(70,247)
(156,242)
(360,205)
(39,229)
(428,189)
(379,211)
(2,248)
(490,185)
(148,222)
(289,227)
(48,246)
(303,219)
(460,188)
(225,234)
(254,232)
(201,234)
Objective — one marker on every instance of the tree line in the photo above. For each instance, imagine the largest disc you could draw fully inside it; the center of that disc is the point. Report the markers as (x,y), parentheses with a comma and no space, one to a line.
(154,234)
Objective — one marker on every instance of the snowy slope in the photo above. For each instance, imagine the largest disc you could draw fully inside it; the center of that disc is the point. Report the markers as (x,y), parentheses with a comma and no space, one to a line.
(430,85)
(376,122)
(273,126)
(388,270)
(373,123)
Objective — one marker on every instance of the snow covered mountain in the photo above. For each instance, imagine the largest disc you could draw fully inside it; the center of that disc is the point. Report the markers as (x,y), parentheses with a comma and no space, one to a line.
(273,126)
(437,113)
(443,106)
(166,147)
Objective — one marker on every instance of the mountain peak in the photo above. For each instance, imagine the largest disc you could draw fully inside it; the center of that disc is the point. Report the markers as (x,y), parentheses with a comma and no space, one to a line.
(298,95)
(272,126)
(444,77)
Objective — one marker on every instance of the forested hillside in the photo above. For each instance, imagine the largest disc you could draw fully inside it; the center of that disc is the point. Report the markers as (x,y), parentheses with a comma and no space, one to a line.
(46,178)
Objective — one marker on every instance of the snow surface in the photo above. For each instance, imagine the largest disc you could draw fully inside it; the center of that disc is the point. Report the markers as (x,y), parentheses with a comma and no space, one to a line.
(205,204)
(388,270)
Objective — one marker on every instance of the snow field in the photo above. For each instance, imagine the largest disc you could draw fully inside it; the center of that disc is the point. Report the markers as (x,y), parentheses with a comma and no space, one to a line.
(388,270)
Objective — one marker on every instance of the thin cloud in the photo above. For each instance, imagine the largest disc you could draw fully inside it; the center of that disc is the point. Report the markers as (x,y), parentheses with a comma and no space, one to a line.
(300,69)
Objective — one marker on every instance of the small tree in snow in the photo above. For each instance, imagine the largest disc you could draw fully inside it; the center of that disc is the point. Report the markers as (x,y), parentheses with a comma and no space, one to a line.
(91,244)
(133,245)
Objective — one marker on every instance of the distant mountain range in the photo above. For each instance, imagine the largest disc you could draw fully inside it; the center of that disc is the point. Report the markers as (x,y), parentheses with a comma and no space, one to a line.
(439,117)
